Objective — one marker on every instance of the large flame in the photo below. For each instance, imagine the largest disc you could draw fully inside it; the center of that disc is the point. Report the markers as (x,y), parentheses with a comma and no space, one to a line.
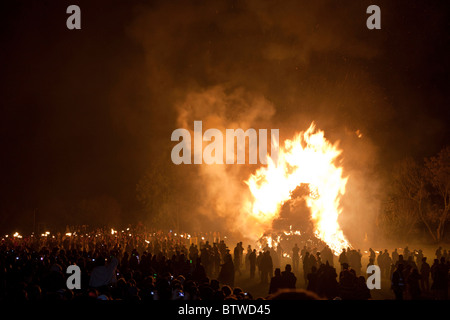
(306,159)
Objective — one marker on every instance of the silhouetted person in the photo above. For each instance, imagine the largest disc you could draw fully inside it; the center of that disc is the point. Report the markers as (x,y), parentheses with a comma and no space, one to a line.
(258,262)
(433,272)
(439,253)
(354,261)
(327,284)
(410,262)
(237,258)
(295,257)
(343,258)
(193,252)
(312,280)
(419,257)
(347,282)
(222,249)
(247,257)
(303,252)
(226,275)
(327,256)
(199,273)
(380,258)
(362,291)
(205,258)
(398,282)
(441,280)
(124,262)
(372,254)
(385,264)
(400,261)
(252,262)
(413,284)
(371,263)
(425,275)
(266,267)
(306,266)
(312,261)
(288,278)
(276,282)
(406,253)
(241,252)
(394,256)
(216,259)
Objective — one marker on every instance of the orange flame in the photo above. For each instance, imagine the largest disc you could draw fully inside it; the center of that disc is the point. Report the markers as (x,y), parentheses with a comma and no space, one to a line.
(306,159)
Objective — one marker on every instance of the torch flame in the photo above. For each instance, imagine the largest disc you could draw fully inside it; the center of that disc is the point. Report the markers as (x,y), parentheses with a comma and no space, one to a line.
(307,159)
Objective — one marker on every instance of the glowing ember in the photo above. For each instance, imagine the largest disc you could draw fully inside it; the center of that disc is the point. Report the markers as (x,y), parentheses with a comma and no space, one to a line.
(269,242)
(358,133)
(307,159)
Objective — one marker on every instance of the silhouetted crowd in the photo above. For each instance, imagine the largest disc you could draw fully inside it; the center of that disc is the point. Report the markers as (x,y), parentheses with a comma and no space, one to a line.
(141,265)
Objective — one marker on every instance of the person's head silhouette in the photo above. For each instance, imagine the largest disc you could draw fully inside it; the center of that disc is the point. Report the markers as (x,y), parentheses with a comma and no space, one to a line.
(277,272)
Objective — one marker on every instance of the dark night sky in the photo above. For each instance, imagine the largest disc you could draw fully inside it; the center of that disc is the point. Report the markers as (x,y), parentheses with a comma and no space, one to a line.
(85,113)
